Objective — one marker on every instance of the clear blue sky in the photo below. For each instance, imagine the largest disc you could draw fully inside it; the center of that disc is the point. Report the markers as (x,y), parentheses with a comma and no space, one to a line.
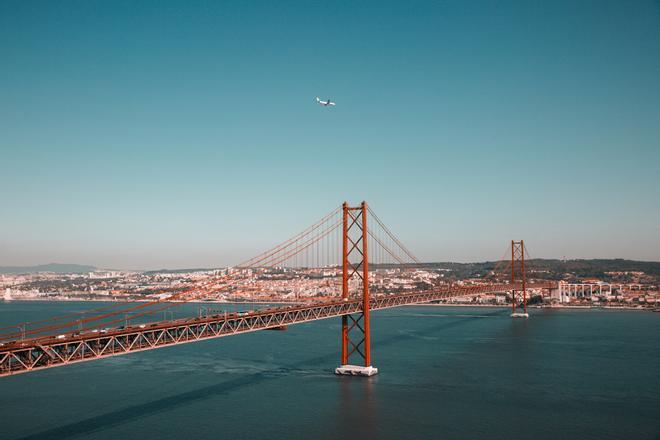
(153,134)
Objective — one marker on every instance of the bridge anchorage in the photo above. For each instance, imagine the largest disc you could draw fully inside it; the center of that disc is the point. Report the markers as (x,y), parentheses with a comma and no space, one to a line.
(347,285)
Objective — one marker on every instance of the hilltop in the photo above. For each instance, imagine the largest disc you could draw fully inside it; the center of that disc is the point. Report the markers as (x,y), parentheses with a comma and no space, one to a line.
(613,270)
(50,267)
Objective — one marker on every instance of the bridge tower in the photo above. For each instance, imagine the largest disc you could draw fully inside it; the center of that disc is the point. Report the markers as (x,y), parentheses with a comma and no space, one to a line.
(355,328)
(518,275)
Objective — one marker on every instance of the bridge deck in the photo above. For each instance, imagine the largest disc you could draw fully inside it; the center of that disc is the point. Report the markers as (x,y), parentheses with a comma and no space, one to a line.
(52,351)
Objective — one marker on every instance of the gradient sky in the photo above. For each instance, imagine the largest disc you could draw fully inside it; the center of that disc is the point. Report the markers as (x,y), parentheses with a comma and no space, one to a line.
(154,134)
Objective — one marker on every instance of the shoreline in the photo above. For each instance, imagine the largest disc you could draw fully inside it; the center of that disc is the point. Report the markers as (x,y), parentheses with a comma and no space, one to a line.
(196,301)
(494,306)
(650,309)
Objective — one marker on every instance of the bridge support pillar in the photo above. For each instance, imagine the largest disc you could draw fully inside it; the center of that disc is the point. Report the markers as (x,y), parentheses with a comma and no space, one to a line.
(356,328)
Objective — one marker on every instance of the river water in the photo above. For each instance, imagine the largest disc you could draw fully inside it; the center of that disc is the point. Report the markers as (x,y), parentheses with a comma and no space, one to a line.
(445,373)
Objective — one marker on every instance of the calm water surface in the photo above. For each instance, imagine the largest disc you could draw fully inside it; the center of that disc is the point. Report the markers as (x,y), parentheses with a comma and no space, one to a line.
(445,373)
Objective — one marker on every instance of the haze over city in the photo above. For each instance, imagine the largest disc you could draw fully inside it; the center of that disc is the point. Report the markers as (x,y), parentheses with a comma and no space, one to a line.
(139,135)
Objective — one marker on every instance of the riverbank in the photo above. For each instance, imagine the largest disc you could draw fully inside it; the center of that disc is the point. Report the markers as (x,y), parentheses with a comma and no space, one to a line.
(493,306)
(141,300)
(497,306)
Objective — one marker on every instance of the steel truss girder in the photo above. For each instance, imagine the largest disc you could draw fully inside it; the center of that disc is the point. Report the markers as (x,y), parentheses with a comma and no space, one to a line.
(48,352)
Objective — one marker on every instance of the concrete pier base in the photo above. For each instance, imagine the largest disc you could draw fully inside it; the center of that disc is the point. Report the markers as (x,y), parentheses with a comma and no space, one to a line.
(356,370)
(519,315)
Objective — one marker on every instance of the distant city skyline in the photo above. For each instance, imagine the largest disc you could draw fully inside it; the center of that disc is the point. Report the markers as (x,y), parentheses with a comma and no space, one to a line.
(148,135)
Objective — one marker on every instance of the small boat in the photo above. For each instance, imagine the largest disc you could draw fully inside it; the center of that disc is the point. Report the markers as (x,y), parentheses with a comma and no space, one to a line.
(278,328)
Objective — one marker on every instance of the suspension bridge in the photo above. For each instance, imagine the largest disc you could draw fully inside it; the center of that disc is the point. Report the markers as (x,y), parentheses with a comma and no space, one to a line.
(351,239)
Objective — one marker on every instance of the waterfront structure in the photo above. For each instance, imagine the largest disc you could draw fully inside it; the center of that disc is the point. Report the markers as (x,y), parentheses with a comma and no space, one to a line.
(566,292)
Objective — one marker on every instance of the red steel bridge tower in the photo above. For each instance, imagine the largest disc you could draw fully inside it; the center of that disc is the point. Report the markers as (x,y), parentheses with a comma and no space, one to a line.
(355,328)
(518,278)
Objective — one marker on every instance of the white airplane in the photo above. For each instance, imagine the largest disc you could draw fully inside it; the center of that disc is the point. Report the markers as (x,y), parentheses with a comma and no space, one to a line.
(324,103)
